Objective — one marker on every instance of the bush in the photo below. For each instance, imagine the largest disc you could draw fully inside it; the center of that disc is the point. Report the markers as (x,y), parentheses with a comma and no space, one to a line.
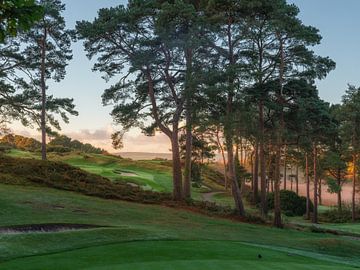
(334,215)
(58,149)
(291,203)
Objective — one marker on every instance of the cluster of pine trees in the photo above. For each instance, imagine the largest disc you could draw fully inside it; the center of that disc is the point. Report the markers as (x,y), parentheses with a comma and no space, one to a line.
(239,74)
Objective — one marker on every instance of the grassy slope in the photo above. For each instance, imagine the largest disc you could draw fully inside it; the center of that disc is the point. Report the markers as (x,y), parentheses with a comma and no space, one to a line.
(152,237)
(151,174)
(107,166)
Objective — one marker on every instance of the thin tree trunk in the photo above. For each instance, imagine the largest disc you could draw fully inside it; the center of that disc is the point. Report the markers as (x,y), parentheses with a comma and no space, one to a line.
(232,176)
(297,179)
(320,191)
(307,176)
(223,158)
(353,202)
(43,96)
(188,153)
(252,171)
(285,169)
(339,192)
(177,174)
(264,206)
(277,206)
(256,173)
(315,214)
(188,115)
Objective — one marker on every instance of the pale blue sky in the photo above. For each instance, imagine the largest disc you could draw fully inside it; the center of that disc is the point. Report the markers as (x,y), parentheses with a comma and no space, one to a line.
(337,21)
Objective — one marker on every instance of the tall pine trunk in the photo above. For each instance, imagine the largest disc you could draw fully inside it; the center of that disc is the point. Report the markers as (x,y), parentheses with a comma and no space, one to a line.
(223,158)
(172,135)
(264,206)
(177,174)
(297,179)
(353,202)
(232,176)
(307,176)
(315,213)
(43,95)
(277,206)
(256,174)
(188,115)
(285,169)
(339,199)
(320,191)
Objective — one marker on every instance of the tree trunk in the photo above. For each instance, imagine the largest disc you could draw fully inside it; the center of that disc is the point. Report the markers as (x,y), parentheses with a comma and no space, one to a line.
(315,214)
(256,174)
(177,174)
(172,135)
(277,206)
(353,202)
(232,176)
(43,96)
(297,179)
(320,191)
(188,154)
(223,158)
(307,176)
(188,115)
(339,194)
(285,169)
(264,206)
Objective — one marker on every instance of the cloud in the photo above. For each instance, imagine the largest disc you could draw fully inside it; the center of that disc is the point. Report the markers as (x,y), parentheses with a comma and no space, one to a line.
(134,140)
(86,134)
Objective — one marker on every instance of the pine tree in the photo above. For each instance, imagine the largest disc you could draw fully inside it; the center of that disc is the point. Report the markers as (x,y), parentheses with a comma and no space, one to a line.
(48,51)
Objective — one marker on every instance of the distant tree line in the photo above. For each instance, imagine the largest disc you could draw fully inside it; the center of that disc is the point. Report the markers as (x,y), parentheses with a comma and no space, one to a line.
(59,144)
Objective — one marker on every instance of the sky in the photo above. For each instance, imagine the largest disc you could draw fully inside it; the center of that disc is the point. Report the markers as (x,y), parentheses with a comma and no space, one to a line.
(338,24)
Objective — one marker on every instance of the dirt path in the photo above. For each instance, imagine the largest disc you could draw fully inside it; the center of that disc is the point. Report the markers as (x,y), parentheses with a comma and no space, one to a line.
(209,196)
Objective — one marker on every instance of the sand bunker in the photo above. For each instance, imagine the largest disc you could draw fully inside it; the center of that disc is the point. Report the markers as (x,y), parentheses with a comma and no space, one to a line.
(126,173)
(45,228)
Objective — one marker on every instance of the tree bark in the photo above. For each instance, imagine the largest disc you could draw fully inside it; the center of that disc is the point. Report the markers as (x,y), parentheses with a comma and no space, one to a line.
(277,206)
(297,179)
(223,158)
(320,191)
(232,176)
(264,206)
(256,174)
(339,193)
(307,176)
(188,115)
(172,135)
(353,202)
(315,212)
(43,95)
(177,174)
(285,169)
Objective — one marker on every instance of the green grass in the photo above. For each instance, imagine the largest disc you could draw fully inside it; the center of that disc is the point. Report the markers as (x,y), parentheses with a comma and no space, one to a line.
(173,255)
(152,237)
(149,175)
(141,236)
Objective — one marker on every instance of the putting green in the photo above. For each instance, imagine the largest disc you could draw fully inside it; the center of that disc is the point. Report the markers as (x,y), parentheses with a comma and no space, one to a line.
(172,255)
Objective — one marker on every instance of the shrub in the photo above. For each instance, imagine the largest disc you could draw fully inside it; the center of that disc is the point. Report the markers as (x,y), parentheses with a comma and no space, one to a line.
(291,203)
(58,149)
(334,215)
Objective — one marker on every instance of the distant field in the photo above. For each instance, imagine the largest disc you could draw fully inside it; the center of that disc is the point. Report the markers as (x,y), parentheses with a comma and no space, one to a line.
(145,156)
